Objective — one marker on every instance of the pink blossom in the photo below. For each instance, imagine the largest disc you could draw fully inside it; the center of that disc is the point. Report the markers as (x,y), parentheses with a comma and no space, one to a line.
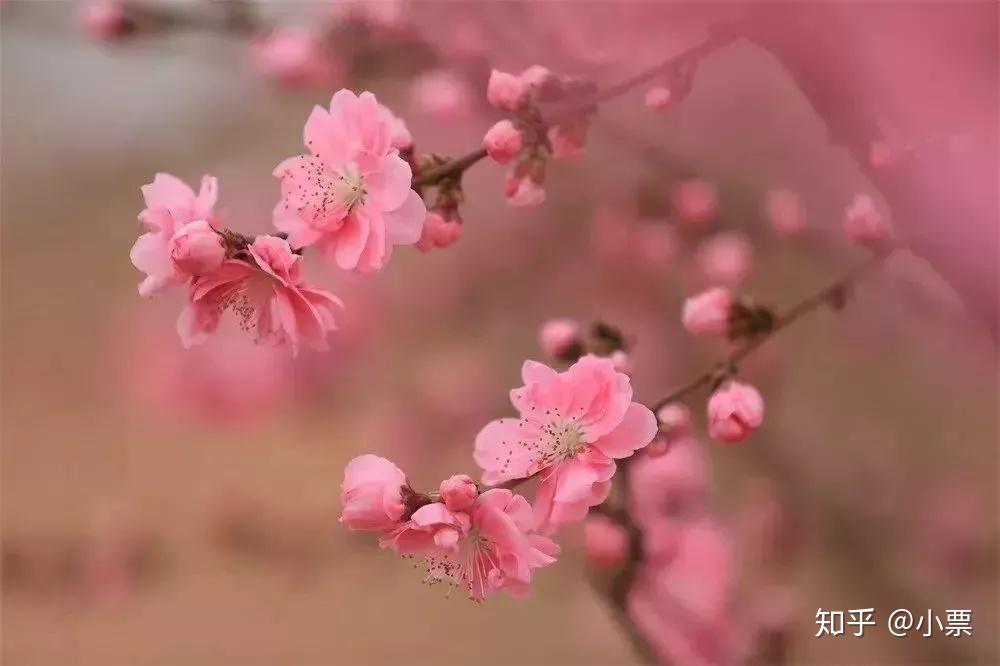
(441,94)
(707,313)
(734,411)
(696,201)
(170,205)
(439,232)
(196,248)
(104,20)
(523,191)
(567,139)
(490,548)
(674,418)
(458,492)
(557,337)
(351,195)
(669,484)
(659,98)
(536,75)
(604,541)
(656,242)
(506,91)
(372,494)
(268,294)
(726,258)
(503,142)
(294,56)
(864,224)
(785,213)
(572,426)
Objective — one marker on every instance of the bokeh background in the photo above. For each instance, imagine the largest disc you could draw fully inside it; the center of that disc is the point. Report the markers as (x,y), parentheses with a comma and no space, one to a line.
(169,507)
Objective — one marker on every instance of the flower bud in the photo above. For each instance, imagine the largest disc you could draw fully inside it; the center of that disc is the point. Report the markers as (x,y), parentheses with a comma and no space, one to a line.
(196,248)
(708,312)
(559,337)
(734,411)
(503,142)
(458,492)
(864,224)
(506,91)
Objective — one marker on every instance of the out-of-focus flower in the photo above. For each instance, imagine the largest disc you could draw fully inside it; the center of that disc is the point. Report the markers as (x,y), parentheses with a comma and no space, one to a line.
(605,541)
(523,191)
(458,492)
(490,548)
(503,142)
(707,313)
(784,212)
(696,201)
(196,248)
(104,20)
(295,56)
(441,94)
(372,494)
(726,258)
(170,205)
(506,91)
(351,195)
(568,139)
(622,361)
(734,411)
(864,224)
(674,418)
(572,424)
(659,98)
(439,231)
(668,484)
(558,337)
(268,295)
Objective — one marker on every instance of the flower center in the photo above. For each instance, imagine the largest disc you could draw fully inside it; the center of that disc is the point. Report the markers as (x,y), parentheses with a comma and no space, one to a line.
(349,191)
(562,441)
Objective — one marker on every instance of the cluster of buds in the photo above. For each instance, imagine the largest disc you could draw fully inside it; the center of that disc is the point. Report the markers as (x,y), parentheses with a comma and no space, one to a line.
(443,224)
(565,341)
(715,312)
(528,138)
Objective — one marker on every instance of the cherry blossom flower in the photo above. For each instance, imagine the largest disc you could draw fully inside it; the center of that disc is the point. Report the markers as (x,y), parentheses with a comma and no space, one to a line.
(707,313)
(294,56)
(351,195)
(734,411)
(670,484)
(557,337)
(503,142)
(864,224)
(491,547)
(196,248)
(441,94)
(785,213)
(372,494)
(572,426)
(659,98)
(523,191)
(170,206)
(726,258)
(267,293)
(439,231)
(506,91)
(604,541)
(458,492)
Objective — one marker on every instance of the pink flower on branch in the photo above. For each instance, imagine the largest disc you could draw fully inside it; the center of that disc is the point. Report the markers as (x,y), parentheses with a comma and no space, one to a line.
(572,427)
(372,494)
(491,547)
(503,142)
(267,292)
(506,91)
(707,313)
(734,411)
(170,206)
(351,196)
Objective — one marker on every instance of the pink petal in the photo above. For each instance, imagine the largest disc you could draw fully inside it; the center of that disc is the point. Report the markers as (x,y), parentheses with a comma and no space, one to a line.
(406,223)
(636,430)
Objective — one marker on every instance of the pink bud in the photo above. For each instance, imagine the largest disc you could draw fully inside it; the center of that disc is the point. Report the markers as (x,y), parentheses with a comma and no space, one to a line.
(785,213)
(104,20)
(441,94)
(196,248)
(708,312)
(523,191)
(439,232)
(567,139)
(863,223)
(659,98)
(557,337)
(726,258)
(458,492)
(605,542)
(503,142)
(622,361)
(506,91)
(536,75)
(734,411)
(372,494)
(294,57)
(674,418)
(696,201)
(879,154)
